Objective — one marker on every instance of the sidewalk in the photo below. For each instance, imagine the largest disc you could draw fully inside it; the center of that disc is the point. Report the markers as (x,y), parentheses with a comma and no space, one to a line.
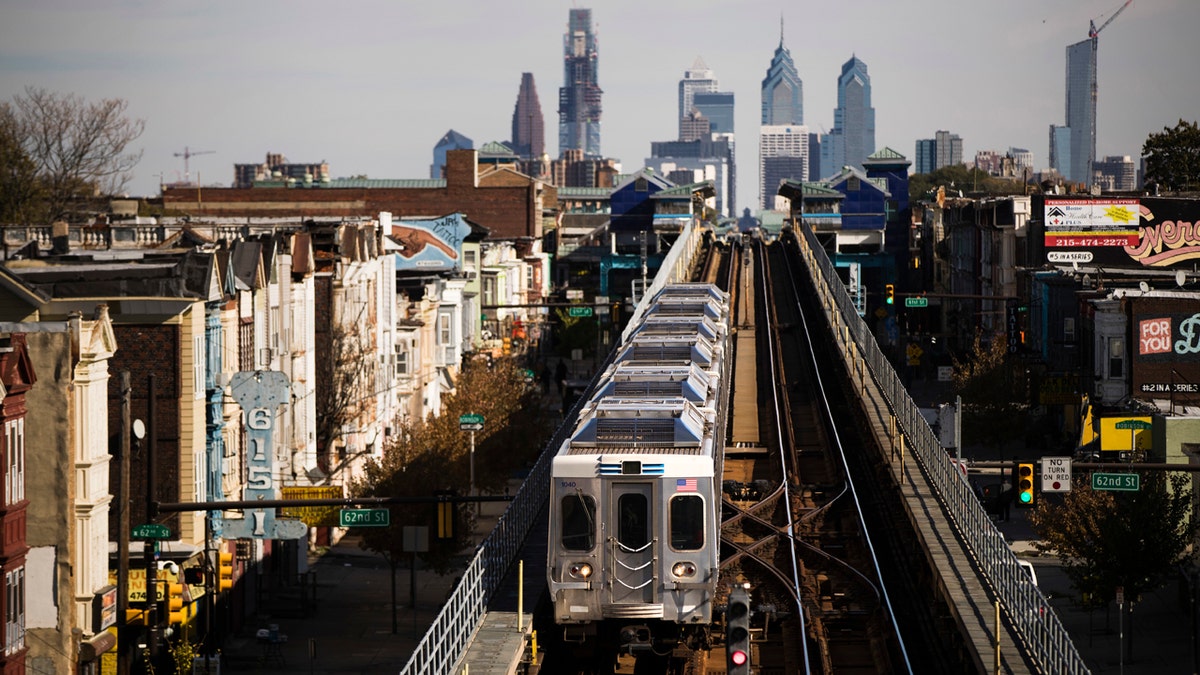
(350,631)
(1162,629)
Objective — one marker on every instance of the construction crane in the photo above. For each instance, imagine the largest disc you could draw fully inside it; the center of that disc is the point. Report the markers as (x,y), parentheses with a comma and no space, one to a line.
(188,154)
(1093,32)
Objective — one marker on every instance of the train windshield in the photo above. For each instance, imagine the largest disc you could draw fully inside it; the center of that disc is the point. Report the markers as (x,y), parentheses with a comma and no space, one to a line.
(633,529)
(578,522)
(687,523)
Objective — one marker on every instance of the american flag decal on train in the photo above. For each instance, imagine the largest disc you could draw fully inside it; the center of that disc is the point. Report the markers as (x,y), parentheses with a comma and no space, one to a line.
(685,485)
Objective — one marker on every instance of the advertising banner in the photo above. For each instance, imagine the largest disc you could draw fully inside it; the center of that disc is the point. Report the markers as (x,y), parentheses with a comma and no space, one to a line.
(430,245)
(1122,232)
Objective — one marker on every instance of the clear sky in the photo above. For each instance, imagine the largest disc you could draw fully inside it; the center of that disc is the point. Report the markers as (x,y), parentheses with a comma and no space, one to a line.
(371,85)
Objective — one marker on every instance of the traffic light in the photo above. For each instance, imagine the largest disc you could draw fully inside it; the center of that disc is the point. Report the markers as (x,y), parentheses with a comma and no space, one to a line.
(890,293)
(224,571)
(446,514)
(175,612)
(737,633)
(135,617)
(1024,484)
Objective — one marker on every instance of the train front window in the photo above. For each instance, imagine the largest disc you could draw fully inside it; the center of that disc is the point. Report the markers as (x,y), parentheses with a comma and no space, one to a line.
(633,526)
(578,522)
(687,523)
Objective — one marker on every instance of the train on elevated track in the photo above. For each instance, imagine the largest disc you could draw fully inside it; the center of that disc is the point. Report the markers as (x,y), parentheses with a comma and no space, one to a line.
(635,503)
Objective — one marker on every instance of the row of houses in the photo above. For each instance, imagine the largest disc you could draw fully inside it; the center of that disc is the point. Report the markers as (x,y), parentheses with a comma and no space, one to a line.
(272,340)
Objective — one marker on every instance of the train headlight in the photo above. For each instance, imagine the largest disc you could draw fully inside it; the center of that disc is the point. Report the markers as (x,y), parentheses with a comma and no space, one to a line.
(684,569)
(580,570)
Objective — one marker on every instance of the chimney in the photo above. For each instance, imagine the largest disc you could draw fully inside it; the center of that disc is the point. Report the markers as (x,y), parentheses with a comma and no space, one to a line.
(462,168)
(59,240)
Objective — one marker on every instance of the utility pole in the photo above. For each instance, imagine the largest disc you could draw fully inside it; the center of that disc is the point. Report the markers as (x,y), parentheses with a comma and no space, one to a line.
(150,547)
(124,634)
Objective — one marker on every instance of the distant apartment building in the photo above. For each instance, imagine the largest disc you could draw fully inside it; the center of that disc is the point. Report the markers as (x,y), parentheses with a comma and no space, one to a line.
(852,138)
(695,127)
(944,149)
(685,162)
(1016,162)
(528,125)
(783,155)
(277,168)
(579,98)
(1115,173)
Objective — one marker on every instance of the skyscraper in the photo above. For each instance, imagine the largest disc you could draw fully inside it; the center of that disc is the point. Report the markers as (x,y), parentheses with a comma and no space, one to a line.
(1081,109)
(782,155)
(579,97)
(852,138)
(717,106)
(782,90)
(528,126)
(451,140)
(696,79)
(1060,150)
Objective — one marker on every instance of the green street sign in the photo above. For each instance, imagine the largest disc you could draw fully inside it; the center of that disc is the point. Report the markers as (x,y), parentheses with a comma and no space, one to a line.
(470,422)
(364,518)
(916,302)
(150,531)
(1121,482)
(579,311)
(1138,425)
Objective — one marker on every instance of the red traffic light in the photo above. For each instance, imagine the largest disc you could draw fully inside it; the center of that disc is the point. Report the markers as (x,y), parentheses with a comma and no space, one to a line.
(737,657)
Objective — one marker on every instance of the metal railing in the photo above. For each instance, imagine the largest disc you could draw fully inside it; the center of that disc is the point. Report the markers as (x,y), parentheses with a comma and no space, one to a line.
(1037,626)
(450,633)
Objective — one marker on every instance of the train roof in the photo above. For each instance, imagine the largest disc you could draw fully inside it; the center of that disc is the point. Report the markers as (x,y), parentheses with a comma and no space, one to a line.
(697,291)
(669,349)
(696,307)
(621,425)
(665,324)
(629,380)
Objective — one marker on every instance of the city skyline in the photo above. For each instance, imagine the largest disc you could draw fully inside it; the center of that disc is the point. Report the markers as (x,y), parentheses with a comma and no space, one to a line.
(371,88)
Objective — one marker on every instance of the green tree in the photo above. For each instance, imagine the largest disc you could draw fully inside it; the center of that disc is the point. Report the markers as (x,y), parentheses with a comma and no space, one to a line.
(1107,540)
(79,149)
(1173,157)
(992,394)
(960,177)
(433,455)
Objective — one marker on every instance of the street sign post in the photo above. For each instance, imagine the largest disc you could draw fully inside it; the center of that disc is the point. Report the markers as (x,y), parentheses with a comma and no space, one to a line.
(916,302)
(1056,474)
(150,531)
(1119,482)
(364,518)
(470,422)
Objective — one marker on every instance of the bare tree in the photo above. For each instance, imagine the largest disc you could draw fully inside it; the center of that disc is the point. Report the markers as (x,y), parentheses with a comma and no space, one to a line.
(79,149)
(342,387)
(19,187)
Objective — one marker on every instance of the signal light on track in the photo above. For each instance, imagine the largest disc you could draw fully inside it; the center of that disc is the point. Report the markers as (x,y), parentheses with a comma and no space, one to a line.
(737,633)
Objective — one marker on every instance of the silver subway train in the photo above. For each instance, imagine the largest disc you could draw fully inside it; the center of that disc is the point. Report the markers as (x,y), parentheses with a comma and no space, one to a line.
(635,500)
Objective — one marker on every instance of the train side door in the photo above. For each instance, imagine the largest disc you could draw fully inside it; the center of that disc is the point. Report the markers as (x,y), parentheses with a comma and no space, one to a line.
(632,544)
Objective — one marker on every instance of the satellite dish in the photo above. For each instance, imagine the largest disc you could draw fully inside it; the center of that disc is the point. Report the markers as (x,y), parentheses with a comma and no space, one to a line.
(139,429)
(1180,278)
(1144,286)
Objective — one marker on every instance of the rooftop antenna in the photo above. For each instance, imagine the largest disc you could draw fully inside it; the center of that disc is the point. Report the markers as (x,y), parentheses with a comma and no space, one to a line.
(188,154)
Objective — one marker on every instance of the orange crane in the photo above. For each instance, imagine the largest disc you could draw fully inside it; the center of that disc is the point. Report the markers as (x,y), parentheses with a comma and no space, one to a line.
(1093,32)
(188,154)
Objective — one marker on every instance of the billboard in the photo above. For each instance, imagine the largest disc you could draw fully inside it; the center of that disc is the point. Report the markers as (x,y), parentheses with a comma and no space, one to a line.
(1165,345)
(430,245)
(1120,231)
